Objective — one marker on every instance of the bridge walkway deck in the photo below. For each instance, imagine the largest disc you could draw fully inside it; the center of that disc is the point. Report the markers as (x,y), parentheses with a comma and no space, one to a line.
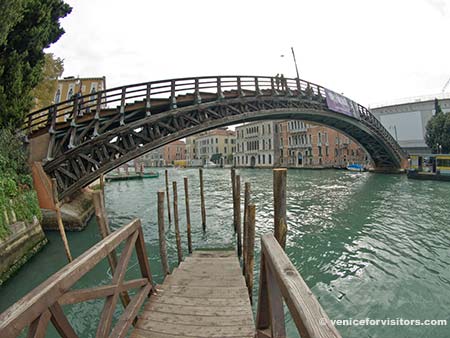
(205,296)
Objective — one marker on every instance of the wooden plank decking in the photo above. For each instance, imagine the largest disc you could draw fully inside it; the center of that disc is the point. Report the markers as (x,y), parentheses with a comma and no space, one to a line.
(205,296)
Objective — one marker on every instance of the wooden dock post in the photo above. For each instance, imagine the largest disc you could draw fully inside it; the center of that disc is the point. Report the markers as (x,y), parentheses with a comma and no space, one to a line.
(59,220)
(162,234)
(250,251)
(202,200)
(188,214)
(168,197)
(238,213)
(103,225)
(279,205)
(245,235)
(177,225)
(233,190)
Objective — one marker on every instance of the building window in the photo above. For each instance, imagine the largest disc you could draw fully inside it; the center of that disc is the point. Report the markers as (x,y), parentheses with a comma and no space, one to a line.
(326,150)
(58,95)
(320,150)
(264,159)
(270,159)
(71,91)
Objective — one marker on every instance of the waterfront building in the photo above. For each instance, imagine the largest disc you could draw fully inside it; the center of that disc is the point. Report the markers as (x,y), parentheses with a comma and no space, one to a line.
(71,86)
(255,145)
(190,150)
(316,146)
(173,153)
(217,145)
(294,144)
(406,119)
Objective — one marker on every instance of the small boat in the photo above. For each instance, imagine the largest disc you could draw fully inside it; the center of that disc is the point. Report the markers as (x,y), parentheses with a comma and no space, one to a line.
(355,167)
(210,165)
(130,176)
(151,174)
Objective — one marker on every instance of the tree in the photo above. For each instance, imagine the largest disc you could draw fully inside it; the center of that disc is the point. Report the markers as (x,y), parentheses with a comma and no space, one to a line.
(32,27)
(44,91)
(438,131)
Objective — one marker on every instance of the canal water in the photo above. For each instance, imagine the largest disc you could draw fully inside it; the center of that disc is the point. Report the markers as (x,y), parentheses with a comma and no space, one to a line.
(368,245)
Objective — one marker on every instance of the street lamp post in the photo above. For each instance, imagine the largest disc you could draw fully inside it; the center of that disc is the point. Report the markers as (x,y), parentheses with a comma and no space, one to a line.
(295,62)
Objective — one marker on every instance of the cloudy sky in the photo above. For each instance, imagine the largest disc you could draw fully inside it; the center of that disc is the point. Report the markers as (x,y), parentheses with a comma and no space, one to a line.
(371,50)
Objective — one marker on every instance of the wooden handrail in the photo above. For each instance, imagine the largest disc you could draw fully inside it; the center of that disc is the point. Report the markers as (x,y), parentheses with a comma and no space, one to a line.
(279,280)
(172,87)
(43,304)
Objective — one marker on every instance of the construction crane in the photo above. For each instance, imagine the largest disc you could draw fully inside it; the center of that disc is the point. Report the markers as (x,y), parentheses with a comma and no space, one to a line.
(446,85)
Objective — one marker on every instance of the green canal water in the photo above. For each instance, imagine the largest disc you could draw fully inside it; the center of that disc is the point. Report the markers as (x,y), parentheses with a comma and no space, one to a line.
(368,245)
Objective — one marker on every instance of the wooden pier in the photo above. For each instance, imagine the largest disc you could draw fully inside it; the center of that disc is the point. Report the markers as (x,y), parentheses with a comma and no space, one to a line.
(206,295)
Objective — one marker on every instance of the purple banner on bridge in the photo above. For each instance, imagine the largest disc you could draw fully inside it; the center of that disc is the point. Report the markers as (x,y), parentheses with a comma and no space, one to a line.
(340,104)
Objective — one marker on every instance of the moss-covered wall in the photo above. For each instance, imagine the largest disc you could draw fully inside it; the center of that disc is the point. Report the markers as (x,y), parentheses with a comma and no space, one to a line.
(19,247)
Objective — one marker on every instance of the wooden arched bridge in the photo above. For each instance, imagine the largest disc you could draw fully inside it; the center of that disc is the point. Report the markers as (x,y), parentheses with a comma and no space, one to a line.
(82,138)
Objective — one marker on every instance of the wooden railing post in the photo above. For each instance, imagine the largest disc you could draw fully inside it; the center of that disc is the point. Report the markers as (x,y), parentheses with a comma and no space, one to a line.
(263,310)
(173,98)
(233,189)
(162,234)
(52,132)
(277,320)
(177,226)
(202,200)
(103,225)
(270,312)
(238,213)
(279,204)
(62,231)
(197,96)
(148,104)
(219,89)
(166,172)
(188,214)
(250,249)
(122,106)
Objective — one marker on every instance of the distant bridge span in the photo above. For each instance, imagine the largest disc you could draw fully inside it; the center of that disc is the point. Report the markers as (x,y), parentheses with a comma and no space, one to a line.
(82,138)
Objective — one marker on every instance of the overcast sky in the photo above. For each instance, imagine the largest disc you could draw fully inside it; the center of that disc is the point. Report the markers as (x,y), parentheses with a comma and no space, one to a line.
(370,50)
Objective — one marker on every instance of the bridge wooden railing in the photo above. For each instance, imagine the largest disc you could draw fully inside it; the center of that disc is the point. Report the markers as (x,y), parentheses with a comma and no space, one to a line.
(82,108)
(279,280)
(119,97)
(44,303)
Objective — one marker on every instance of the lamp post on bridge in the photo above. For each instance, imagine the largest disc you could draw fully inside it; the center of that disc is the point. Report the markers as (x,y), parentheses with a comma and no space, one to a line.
(295,62)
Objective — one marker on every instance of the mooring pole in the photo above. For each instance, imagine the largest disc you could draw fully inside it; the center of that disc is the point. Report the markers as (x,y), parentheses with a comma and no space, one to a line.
(59,220)
(168,197)
(245,235)
(177,226)
(238,219)
(250,259)
(188,214)
(162,234)
(233,190)
(202,200)
(279,205)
